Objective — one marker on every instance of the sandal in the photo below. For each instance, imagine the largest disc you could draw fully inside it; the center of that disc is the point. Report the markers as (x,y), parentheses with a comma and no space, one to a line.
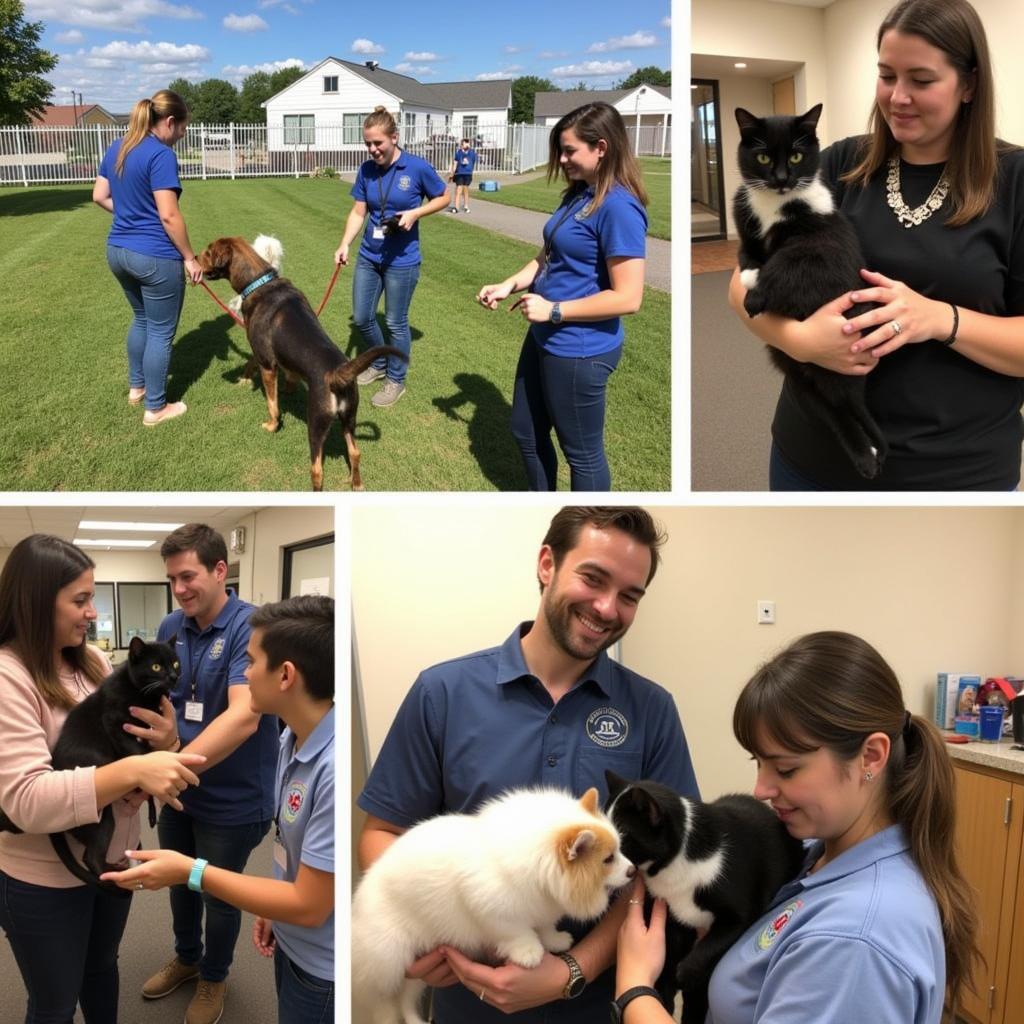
(169,412)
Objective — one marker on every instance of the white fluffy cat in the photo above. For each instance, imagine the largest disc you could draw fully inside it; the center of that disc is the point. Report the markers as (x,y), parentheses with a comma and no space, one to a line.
(494,883)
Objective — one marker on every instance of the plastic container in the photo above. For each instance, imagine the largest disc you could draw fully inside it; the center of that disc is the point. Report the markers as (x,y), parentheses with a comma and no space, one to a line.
(990,722)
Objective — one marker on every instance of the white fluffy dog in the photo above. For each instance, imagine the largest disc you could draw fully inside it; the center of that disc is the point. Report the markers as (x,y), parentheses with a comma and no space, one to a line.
(494,883)
(269,248)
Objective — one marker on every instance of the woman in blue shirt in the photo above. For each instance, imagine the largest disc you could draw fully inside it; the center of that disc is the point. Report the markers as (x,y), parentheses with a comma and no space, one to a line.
(138,183)
(881,919)
(589,273)
(390,187)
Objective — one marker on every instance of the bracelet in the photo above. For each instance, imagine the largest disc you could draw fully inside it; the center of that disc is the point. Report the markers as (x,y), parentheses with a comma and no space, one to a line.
(195,876)
(177,745)
(956,325)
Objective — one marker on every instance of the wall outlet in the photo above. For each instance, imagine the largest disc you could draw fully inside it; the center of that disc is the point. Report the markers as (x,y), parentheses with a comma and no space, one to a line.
(766,613)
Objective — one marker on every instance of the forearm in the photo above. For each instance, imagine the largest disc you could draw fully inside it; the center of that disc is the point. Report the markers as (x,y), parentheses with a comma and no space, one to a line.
(646,1010)
(105,204)
(440,203)
(113,780)
(777,331)
(174,225)
(523,278)
(225,734)
(265,897)
(995,342)
(603,306)
(595,952)
(353,224)
(372,844)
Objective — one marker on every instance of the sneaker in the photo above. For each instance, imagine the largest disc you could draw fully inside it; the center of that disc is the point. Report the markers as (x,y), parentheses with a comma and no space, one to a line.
(207,1006)
(370,374)
(168,978)
(451,209)
(465,209)
(388,395)
(169,412)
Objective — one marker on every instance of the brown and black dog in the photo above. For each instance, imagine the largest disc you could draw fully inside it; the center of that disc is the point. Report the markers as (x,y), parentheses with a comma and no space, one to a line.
(284,331)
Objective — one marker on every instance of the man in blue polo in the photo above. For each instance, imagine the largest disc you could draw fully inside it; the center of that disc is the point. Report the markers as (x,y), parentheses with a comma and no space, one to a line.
(461,174)
(546,708)
(228,814)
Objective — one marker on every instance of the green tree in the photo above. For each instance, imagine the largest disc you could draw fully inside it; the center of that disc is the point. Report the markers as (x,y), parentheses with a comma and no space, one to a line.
(580,86)
(186,90)
(256,89)
(23,90)
(649,75)
(216,102)
(523,91)
(284,77)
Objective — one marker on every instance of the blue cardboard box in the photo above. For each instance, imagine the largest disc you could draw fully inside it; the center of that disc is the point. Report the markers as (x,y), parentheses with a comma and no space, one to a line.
(489,186)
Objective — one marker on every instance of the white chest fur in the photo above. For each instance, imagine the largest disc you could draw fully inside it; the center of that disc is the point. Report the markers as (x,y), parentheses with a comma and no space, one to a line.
(767,205)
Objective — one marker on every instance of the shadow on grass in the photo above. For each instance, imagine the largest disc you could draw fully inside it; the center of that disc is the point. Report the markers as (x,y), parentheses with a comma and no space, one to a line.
(29,201)
(357,343)
(194,352)
(490,441)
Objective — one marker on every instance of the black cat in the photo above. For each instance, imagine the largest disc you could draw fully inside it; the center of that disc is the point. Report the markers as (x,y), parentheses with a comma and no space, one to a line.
(92,734)
(798,252)
(717,866)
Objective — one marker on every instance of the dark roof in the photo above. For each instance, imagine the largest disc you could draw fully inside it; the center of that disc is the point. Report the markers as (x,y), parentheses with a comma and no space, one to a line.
(496,94)
(405,88)
(548,104)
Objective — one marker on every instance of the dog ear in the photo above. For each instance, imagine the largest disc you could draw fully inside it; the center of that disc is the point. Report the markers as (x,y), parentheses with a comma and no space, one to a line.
(581,843)
(589,801)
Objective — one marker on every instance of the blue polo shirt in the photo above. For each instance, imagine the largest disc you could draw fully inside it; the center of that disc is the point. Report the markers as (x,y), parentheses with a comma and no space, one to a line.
(465,161)
(305,829)
(859,940)
(577,267)
(150,166)
(240,789)
(403,186)
(475,726)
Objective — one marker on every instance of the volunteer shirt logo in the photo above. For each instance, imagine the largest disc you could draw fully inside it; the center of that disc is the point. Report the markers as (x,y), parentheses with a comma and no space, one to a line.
(293,801)
(607,727)
(770,932)
(404,183)
(217,648)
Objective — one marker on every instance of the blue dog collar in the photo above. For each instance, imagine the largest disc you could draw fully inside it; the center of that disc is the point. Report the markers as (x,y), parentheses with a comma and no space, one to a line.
(253,285)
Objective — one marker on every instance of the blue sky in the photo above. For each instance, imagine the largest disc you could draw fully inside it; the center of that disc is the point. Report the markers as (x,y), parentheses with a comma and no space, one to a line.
(116,51)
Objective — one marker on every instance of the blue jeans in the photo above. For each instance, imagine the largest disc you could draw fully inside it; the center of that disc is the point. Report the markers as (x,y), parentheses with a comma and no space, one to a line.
(782,476)
(155,289)
(65,944)
(567,395)
(302,998)
(224,846)
(397,285)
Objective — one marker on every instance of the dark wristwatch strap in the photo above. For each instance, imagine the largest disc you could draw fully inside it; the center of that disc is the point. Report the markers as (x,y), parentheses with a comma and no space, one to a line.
(577,982)
(620,1004)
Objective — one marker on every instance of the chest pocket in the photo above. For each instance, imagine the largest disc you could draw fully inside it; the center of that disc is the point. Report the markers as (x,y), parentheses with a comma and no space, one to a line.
(592,762)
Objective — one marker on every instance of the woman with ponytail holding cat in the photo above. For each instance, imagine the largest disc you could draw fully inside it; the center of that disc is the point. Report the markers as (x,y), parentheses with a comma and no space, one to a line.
(880,922)
(46,668)
(936,200)
(138,183)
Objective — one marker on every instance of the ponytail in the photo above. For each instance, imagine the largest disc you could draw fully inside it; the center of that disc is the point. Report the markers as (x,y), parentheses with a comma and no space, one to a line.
(144,115)
(381,118)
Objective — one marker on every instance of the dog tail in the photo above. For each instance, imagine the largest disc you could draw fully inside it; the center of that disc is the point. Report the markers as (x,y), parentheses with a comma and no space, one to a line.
(59,843)
(344,375)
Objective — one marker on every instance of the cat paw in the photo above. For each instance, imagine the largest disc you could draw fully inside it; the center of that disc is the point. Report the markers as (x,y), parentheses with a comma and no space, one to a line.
(526,951)
(748,278)
(753,303)
(556,941)
(868,465)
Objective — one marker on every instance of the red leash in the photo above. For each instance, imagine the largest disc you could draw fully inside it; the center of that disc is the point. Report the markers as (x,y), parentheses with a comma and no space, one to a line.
(238,320)
(327,294)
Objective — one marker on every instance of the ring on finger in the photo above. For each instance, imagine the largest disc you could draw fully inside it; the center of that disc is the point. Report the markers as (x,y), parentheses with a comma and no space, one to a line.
(896,327)
(483,992)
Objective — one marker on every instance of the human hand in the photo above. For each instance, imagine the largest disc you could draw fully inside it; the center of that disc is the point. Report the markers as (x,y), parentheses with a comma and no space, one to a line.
(919,319)
(511,988)
(161,728)
(641,947)
(263,936)
(341,255)
(491,294)
(533,307)
(432,968)
(165,775)
(823,340)
(156,870)
(193,271)
(407,219)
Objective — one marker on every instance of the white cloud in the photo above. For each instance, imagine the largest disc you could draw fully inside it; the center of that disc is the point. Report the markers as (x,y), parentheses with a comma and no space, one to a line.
(148,53)
(666,22)
(553,54)
(264,4)
(593,69)
(110,15)
(245,23)
(236,73)
(512,49)
(71,36)
(426,55)
(492,76)
(637,41)
(366,46)
(414,70)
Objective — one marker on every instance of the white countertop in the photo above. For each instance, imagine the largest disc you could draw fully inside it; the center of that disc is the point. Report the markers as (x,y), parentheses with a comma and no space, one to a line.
(991,755)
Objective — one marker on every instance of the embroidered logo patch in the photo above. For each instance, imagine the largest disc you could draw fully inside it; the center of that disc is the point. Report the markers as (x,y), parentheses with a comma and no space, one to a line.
(404,183)
(216,648)
(293,801)
(607,727)
(770,932)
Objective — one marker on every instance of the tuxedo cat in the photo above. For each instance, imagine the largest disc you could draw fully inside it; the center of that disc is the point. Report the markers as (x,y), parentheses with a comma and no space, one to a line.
(798,252)
(92,734)
(717,866)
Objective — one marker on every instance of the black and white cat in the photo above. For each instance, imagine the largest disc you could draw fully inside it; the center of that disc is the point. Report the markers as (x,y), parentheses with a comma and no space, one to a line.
(798,252)
(717,866)
(92,734)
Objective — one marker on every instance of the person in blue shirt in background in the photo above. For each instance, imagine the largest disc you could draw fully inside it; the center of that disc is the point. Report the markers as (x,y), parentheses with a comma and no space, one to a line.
(881,920)
(138,183)
(461,175)
(391,184)
(589,274)
(290,674)
(546,708)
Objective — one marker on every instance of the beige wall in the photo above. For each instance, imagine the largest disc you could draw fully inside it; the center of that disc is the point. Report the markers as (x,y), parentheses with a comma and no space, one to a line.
(933,589)
(274,529)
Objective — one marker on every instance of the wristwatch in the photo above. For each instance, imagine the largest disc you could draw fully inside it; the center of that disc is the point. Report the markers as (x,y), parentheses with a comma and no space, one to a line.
(576,983)
(620,1004)
(556,313)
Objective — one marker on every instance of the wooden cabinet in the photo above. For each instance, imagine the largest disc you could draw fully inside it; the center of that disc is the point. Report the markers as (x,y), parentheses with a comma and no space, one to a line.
(990,814)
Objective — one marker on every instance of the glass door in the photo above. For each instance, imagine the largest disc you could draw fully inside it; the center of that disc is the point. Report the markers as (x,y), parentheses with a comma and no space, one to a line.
(707,209)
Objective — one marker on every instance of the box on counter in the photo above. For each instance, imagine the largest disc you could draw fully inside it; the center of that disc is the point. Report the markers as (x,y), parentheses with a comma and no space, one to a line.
(967,692)
(967,725)
(946,688)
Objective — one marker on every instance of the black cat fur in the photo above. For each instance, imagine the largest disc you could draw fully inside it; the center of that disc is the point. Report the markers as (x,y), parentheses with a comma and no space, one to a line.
(662,831)
(808,256)
(92,734)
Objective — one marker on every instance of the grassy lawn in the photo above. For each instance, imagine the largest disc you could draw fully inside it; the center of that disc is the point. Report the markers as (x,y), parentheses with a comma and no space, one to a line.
(63,367)
(540,196)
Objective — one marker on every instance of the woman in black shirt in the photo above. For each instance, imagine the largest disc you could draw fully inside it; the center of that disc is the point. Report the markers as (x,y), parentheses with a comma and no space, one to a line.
(938,205)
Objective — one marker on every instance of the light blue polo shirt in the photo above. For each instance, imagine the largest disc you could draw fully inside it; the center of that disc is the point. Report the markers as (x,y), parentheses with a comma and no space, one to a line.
(465,160)
(473,727)
(577,267)
(150,166)
(404,186)
(860,940)
(305,828)
(240,789)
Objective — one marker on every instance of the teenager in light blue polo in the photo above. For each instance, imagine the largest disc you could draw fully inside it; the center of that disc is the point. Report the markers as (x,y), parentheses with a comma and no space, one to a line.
(461,174)
(138,183)
(588,275)
(860,935)
(391,184)
(290,674)
(546,708)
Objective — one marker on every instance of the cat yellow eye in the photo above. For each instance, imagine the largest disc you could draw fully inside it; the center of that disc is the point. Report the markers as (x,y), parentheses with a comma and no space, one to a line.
(796,158)
(156,668)
(763,158)
(176,666)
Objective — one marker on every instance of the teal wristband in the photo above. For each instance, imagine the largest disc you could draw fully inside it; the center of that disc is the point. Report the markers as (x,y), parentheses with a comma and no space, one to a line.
(195,876)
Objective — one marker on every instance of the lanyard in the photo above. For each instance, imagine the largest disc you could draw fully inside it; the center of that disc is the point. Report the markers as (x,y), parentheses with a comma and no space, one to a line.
(380,189)
(549,238)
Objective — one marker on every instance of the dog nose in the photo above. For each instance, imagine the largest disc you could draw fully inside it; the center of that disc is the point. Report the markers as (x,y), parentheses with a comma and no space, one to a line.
(630,871)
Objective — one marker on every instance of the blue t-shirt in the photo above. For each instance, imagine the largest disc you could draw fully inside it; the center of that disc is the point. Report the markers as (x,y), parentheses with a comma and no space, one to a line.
(473,727)
(402,186)
(240,789)
(305,831)
(580,246)
(465,161)
(150,166)
(859,940)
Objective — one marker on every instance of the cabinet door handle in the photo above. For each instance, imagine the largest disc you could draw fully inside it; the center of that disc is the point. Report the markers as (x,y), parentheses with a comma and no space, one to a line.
(1006,810)
(991,996)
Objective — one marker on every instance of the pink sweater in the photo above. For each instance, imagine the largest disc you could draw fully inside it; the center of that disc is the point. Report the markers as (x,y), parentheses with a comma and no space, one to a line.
(34,796)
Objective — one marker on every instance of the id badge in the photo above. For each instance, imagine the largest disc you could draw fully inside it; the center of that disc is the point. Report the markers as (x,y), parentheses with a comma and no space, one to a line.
(193,711)
(280,855)
(378,234)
